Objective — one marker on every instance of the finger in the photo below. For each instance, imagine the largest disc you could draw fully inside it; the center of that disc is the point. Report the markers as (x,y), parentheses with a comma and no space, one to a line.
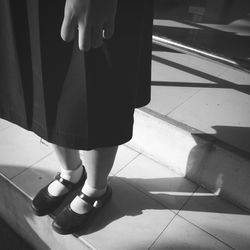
(109,29)
(68,28)
(96,39)
(84,36)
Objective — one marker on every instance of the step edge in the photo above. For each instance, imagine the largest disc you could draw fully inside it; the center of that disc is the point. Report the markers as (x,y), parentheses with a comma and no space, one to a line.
(146,124)
(28,198)
(206,137)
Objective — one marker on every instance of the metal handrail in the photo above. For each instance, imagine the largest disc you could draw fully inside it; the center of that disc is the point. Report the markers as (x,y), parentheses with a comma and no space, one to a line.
(177,46)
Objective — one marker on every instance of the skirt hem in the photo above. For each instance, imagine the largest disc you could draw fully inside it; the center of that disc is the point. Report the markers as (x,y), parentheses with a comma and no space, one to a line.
(72,141)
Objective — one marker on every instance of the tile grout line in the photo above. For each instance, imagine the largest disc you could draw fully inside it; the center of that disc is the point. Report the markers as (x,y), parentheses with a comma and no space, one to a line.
(189,198)
(170,112)
(15,185)
(151,158)
(176,214)
(162,232)
(30,166)
(115,174)
(148,196)
(200,228)
(203,230)
(132,148)
(159,203)
(179,215)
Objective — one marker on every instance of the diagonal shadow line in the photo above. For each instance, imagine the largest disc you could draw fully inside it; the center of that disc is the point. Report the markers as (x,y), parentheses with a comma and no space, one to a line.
(211,29)
(200,28)
(220,83)
(185,84)
(206,28)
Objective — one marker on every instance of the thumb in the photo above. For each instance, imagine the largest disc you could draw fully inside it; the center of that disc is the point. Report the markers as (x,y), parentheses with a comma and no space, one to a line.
(68,28)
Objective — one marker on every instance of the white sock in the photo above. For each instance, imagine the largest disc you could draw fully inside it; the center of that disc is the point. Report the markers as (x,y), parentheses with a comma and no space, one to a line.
(56,188)
(92,192)
(81,207)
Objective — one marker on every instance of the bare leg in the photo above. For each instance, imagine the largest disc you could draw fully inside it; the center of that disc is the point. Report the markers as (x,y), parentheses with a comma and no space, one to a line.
(98,165)
(68,158)
(71,169)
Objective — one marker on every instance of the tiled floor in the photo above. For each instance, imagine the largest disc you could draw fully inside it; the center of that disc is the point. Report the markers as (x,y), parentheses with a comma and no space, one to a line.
(151,208)
(207,96)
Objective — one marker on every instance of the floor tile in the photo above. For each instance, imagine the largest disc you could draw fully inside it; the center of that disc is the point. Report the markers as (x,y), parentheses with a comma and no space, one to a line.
(219,218)
(182,235)
(173,72)
(19,149)
(236,76)
(123,157)
(37,176)
(165,99)
(174,81)
(225,113)
(194,64)
(158,182)
(130,220)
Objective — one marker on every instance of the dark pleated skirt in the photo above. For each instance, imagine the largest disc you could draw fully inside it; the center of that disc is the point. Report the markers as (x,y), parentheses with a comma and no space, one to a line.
(79,100)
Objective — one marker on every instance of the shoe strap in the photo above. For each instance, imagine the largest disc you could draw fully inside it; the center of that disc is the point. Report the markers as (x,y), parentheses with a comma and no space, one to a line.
(96,203)
(68,184)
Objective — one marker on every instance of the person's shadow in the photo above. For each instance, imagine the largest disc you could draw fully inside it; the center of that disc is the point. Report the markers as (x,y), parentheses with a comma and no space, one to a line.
(133,196)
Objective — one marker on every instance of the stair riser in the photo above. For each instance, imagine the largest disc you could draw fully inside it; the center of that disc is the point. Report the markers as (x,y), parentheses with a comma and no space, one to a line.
(211,166)
(15,210)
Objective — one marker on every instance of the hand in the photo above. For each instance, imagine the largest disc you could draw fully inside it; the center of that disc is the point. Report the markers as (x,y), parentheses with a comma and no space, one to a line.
(95,20)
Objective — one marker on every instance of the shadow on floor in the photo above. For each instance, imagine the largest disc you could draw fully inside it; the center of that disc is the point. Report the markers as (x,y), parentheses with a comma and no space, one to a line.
(15,209)
(124,204)
(219,83)
(131,197)
(233,137)
(10,239)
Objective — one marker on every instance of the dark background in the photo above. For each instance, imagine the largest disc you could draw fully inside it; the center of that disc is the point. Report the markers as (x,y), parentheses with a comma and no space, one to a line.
(221,27)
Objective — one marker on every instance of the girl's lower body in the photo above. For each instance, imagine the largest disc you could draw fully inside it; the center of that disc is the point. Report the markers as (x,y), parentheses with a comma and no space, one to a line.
(75,100)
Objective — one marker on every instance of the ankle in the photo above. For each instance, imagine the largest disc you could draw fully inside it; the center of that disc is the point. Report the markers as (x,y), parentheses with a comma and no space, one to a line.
(72,175)
(93,191)
(56,188)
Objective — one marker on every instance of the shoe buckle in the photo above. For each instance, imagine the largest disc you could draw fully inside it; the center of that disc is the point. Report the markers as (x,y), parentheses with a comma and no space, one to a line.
(97,204)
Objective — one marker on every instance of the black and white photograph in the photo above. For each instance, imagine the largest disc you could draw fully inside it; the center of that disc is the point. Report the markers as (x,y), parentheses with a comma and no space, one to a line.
(124,124)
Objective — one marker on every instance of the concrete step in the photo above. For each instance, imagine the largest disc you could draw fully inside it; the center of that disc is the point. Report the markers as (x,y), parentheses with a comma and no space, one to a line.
(150,202)
(16,211)
(215,165)
(10,239)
